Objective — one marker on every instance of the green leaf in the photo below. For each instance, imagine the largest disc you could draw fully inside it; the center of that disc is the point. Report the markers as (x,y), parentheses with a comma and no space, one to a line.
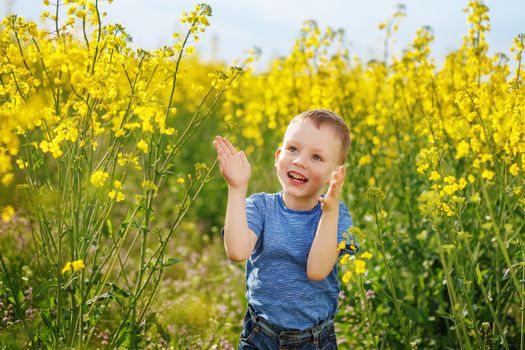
(170,261)
(99,297)
(109,226)
(119,291)
(478,274)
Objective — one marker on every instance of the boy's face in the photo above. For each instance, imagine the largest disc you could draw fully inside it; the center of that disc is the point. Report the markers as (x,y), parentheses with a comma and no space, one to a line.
(305,163)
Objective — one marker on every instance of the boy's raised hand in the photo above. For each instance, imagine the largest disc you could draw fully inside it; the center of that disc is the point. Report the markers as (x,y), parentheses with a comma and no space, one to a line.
(234,165)
(330,202)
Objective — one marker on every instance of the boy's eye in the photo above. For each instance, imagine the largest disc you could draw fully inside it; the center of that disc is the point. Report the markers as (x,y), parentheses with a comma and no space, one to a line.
(316,157)
(292,149)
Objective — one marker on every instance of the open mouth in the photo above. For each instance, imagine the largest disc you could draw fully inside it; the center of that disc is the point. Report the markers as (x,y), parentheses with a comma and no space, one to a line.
(297,178)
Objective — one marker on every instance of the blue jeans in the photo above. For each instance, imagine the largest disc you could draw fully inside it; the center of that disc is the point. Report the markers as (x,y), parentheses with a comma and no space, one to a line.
(260,334)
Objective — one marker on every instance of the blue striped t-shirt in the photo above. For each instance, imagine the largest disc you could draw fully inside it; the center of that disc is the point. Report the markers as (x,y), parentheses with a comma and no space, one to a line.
(276,282)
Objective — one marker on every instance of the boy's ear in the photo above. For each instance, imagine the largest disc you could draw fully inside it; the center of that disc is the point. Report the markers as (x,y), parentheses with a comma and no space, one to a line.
(277,153)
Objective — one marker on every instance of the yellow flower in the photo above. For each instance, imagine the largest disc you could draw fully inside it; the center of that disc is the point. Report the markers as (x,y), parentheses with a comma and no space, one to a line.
(118,196)
(487,174)
(360,266)
(364,160)
(344,260)
(21,164)
(366,255)
(446,208)
(7,179)
(346,277)
(180,180)
(149,185)
(449,179)
(143,146)
(98,178)
(78,265)
(434,175)
(73,266)
(117,184)
(462,149)
(514,169)
(67,267)
(450,189)
(7,213)
(341,245)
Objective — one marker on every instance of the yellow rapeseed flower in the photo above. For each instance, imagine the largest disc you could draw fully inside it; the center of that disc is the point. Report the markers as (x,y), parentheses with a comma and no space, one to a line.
(21,164)
(462,149)
(514,169)
(450,189)
(7,213)
(488,174)
(67,267)
(344,260)
(98,178)
(73,266)
(346,276)
(180,180)
(449,179)
(143,146)
(366,255)
(118,196)
(78,265)
(7,179)
(364,160)
(434,175)
(360,266)
(341,245)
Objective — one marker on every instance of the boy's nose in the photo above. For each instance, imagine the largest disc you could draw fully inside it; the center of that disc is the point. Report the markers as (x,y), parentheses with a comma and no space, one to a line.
(299,162)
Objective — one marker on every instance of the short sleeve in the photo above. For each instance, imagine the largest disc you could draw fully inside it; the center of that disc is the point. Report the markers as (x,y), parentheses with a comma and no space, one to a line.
(345,222)
(254,213)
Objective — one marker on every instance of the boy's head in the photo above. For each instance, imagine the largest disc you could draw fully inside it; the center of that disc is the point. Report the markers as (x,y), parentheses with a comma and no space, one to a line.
(315,144)
(325,117)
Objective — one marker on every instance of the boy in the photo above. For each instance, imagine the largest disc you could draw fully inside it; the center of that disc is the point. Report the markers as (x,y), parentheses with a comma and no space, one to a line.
(290,238)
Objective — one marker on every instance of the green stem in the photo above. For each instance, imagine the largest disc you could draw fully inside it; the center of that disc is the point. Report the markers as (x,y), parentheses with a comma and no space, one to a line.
(460,326)
(501,244)
(391,285)
(488,301)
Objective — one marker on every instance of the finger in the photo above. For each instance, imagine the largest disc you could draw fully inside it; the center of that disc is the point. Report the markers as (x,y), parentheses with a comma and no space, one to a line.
(223,150)
(243,157)
(230,148)
(216,143)
(222,157)
(333,185)
(341,176)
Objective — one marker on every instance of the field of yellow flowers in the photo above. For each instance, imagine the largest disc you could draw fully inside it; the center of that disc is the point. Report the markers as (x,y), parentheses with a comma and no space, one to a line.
(110,216)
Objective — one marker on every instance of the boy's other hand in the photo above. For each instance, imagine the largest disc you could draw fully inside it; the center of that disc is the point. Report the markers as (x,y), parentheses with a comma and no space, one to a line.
(330,202)
(234,165)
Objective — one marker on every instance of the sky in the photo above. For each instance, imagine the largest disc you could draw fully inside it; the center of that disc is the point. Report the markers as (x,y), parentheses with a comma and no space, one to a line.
(272,25)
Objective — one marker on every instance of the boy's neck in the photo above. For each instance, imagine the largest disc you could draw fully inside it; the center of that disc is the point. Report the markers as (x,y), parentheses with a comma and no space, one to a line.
(299,204)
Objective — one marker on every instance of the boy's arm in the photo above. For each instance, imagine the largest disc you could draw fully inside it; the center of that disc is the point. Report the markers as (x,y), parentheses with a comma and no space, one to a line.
(323,253)
(239,240)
